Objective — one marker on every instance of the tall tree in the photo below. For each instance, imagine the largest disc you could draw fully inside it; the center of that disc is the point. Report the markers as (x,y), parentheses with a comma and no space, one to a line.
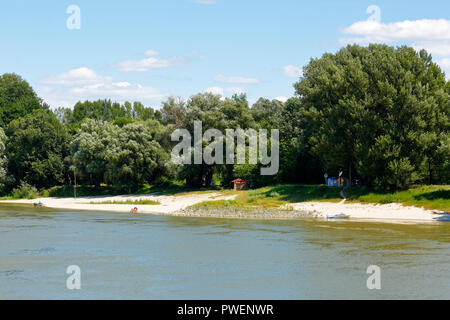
(374,110)
(36,147)
(17,99)
(128,156)
(3,160)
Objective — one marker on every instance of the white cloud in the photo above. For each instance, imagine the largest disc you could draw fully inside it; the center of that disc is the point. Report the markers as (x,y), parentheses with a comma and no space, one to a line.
(152,62)
(122,84)
(444,63)
(222,78)
(281,98)
(83,83)
(78,76)
(151,53)
(438,48)
(292,71)
(107,90)
(431,35)
(445,66)
(215,90)
(236,90)
(417,30)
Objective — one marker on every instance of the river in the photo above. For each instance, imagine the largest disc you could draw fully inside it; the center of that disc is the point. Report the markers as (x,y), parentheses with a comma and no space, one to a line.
(155,257)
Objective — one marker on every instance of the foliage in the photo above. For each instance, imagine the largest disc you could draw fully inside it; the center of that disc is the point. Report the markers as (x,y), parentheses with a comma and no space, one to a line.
(214,113)
(129,155)
(105,110)
(24,191)
(3,160)
(36,147)
(17,99)
(378,113)
(378,110)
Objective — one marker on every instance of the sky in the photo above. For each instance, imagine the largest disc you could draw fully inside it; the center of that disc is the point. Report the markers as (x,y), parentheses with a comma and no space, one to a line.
(149,50)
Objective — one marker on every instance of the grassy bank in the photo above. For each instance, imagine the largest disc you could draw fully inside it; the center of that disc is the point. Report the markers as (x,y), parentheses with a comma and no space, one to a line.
(140,201)
(166,188)
(430,197)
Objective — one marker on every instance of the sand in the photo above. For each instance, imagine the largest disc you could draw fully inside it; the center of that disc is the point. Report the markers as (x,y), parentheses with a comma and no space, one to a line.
(391,212)
(177,205)
(168,204)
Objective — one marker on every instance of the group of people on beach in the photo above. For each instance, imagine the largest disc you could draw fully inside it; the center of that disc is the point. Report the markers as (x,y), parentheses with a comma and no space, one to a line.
(134,210)
(38,204)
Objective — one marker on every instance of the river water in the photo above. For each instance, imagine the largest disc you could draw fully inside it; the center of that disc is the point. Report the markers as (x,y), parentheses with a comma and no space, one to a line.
(151,257)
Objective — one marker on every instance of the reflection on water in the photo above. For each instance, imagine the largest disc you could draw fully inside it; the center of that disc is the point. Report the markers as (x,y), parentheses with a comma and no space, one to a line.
(151,257)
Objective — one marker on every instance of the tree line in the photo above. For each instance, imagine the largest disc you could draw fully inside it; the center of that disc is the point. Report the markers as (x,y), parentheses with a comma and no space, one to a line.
(378,113)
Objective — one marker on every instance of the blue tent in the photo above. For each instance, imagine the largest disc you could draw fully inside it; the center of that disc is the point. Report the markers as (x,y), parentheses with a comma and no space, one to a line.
(332,182)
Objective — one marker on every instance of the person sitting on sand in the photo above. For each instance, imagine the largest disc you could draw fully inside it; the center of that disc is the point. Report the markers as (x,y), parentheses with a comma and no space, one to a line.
(38,205)
(134,210)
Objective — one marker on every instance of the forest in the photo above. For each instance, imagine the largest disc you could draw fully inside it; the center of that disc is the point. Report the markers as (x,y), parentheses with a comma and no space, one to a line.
(378,113)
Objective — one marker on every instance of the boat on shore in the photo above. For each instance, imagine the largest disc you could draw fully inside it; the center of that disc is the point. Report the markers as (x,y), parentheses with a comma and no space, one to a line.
(441,216)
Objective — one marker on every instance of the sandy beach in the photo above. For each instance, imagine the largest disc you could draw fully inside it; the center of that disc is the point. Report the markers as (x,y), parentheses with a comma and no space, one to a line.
(168,204)
(178,205)
(390,212)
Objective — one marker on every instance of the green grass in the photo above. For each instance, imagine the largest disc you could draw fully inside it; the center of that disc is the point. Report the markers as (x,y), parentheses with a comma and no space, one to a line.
(276,196)
(430,197)
(165,188)
(132,202)
(7,198)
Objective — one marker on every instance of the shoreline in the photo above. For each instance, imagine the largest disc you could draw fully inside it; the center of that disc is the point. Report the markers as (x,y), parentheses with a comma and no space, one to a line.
(184,206)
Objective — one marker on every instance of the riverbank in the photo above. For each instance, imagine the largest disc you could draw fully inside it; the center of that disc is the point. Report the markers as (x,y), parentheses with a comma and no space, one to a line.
(164,204)
(393,212)
(223,205)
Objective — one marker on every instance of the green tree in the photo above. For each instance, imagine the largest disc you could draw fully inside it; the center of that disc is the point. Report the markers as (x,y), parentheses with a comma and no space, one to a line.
(36,147)
(128,156)
(134,157)
(375,110)
(214,113)
(88,149)
(17,99)
(3,160)
(268,113)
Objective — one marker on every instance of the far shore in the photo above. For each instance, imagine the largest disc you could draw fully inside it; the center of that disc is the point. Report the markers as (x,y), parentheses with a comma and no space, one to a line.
(185,205)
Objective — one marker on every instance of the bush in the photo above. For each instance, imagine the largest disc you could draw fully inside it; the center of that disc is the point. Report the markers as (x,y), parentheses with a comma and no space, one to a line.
(45,193)
(25,191)
(274,194)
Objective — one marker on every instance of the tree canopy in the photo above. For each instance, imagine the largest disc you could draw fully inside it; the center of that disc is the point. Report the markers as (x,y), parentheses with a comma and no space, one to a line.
(36,147)
(378,113)
(17,99)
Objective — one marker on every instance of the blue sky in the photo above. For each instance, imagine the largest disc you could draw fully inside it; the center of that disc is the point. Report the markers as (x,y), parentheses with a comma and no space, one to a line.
(147,50)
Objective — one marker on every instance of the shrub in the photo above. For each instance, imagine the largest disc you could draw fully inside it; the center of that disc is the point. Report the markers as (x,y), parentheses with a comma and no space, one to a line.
(25,191)
(274,194)
(45,193)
